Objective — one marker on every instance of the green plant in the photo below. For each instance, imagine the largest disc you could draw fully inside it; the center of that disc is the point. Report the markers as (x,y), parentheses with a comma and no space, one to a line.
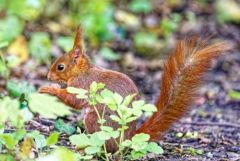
(140,6)
(40,47)
(227,11)
(10,23)
(65,43)
(16,89)
(147,44)
(194,151)
(62,127)
(138,146)
(26,9)
(16,142)
(108,54)
(170,25)
(51,108)
(234,95)
(96,17)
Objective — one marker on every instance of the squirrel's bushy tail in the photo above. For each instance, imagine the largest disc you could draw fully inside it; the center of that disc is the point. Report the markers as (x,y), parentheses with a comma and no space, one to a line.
(182,76)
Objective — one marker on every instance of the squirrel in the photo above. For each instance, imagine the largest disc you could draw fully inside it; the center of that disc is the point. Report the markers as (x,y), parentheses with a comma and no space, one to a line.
(182,76)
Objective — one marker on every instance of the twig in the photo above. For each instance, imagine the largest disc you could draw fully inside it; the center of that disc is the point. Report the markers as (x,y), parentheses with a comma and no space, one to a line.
(211,124)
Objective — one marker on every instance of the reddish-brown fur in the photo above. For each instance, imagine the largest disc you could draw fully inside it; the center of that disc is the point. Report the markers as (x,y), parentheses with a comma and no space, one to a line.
(182,76)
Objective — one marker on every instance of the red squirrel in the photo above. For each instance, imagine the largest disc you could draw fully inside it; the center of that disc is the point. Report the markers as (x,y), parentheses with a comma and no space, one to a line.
(182,75)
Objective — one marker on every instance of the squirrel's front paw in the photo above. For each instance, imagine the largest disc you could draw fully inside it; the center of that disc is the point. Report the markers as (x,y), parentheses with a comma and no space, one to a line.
(49,90)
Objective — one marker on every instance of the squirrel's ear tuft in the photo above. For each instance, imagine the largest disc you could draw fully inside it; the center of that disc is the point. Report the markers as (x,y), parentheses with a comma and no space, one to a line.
(78,46)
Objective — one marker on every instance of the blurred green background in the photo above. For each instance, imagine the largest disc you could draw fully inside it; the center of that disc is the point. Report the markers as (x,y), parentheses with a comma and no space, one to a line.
(41,30)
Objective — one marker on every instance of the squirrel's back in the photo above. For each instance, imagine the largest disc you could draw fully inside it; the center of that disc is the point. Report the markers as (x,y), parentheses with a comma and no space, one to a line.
(113,80)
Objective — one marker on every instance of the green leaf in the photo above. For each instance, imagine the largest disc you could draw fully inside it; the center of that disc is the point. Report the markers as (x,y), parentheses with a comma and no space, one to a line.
(107,132)
(92,150)
(97,12)
(16,89)
(234,94)
(148,114)
(81,93)
(74,90)
(19,134)
(115,134)
(115,118)
(106,93)
(137,112)
(171,24)
(86,157)
(137,154)
(106,128)
(154,148)
(101,121)
(126,143)
(93,88)
(124,112)
(10,23)
(61,154)
(8,140)
(108,54)
(9,109)
(199,151)
(40,47)
(103,135)
(130,119)
(118,98)
(65,43)
(61,126)
(149,108)
(52,139)
(100,85)
(6,157)
(47,106)
(95,141)
(179,134)
(26,9)
(3,44)
(80,140)
(140,137)
(138,104)
(227,11)
(128,99)
(40,141)
(144,39)
(140,6)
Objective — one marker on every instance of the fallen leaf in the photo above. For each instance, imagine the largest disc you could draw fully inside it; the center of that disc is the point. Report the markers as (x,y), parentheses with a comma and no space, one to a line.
(19,49)
(26,147)
(47,106)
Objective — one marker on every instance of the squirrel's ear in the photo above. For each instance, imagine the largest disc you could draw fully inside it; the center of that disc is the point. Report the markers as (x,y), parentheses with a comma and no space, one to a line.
(78,46)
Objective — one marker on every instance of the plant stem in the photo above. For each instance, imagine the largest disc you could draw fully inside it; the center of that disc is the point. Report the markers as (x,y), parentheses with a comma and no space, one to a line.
(121,140)
(95,108)
(103,111)
(105,151)
(99,117)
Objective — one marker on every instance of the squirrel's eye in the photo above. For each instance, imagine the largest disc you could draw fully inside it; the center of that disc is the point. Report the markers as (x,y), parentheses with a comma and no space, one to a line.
(60,67)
